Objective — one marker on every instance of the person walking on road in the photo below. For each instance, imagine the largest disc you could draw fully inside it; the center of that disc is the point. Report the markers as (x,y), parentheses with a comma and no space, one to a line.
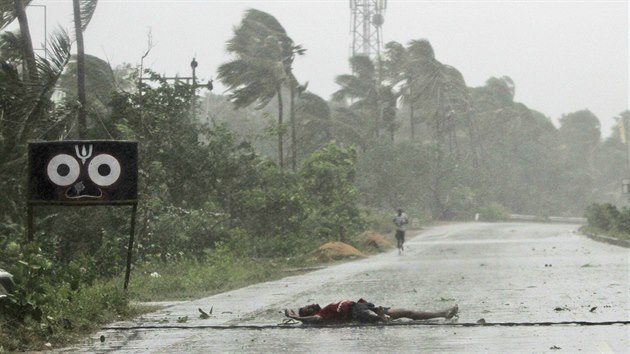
(400,219)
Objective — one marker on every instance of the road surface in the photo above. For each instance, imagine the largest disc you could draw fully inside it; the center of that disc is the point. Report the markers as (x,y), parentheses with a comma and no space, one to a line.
(540,288)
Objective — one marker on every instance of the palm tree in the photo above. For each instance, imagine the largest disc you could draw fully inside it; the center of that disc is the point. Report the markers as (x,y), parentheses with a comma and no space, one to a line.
(29,53)
(295,90)
(25,112)
(313,117)
(397,71)
(7,12)
(362,90)
(440,94)
(437,90)
(26,109)
(99,85)
(262,65)
(24,103)
(388,98)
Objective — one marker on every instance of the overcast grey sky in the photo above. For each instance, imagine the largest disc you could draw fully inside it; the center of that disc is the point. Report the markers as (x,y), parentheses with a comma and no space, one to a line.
(563,56)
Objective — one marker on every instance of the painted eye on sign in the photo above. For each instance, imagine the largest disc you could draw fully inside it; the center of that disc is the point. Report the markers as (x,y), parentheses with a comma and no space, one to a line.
(83,172)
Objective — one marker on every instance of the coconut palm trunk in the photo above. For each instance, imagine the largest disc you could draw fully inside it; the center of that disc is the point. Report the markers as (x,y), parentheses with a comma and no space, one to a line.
(280,128)
(82,120)
(412,121)
(293,129)
(29,53)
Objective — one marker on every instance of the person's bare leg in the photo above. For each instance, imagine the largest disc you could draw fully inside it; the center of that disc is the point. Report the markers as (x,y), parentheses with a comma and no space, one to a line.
(421,315)
(305,319)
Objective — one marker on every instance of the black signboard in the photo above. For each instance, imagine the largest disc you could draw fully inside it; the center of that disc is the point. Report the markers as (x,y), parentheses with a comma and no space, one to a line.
(83,172)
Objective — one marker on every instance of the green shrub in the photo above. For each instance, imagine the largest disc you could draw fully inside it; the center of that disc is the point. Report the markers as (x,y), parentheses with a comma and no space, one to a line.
(176,232)
(622,223)
(379,221)
(602,216)
(274,208)
(328,179)
(55,313)
(493,212)
(462,203)
(224,268)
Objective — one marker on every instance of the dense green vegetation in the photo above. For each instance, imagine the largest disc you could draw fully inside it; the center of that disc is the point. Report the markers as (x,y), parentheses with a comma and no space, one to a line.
(217,199)
(607,219)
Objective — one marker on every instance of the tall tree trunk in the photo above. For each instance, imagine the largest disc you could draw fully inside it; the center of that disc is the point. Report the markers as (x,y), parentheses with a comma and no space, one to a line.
(473,140)
(29,53)
(439,131)
(280,122)
(376,130)
(412,123)
(80,70)
(392,133)
(293,130)
(438,205)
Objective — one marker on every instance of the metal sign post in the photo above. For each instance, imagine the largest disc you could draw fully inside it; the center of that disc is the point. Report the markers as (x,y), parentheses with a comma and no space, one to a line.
(130,246)
(84,173)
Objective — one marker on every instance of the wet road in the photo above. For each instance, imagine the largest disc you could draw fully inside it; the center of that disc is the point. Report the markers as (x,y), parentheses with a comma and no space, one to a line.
(541,288)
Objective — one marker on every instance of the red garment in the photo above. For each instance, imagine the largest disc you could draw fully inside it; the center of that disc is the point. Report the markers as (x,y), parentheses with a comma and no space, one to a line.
(336,311)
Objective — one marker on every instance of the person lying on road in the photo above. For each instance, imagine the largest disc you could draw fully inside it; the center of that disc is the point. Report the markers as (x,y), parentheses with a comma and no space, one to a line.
(361,311)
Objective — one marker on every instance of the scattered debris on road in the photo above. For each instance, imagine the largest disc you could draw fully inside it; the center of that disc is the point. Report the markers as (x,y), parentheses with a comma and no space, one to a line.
(203,314)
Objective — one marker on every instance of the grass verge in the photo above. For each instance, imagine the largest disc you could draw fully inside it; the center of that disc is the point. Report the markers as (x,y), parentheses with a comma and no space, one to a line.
(192,279)
(607,233)
(69,315)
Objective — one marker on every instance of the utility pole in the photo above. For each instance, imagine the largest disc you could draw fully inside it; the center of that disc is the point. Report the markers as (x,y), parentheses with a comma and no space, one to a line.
(193,100)
(194,86)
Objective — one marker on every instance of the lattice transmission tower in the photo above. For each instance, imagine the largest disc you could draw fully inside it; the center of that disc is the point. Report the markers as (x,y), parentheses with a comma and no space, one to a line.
(366,24)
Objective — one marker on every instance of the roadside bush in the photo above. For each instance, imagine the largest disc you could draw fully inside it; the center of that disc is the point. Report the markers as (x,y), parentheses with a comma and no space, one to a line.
(62,312)
(31,272)
(179,279)
(606,219)
(274,208)
(229,265)
(176,232)
(65,233)
(109,261)
(602,216)
(493,212)
(379,221)
(623,221)
(328,179)
(50,299)
(243,244)
(461,203)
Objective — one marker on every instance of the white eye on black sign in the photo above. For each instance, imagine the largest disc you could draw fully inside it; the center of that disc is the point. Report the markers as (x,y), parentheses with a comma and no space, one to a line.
(63,170)
(104,170)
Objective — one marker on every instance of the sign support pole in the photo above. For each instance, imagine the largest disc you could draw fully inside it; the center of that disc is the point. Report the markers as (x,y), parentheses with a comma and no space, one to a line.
(130,246)
(29,223)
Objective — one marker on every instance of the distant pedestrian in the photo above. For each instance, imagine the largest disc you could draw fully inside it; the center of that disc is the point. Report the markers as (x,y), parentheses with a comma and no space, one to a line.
(400,219)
